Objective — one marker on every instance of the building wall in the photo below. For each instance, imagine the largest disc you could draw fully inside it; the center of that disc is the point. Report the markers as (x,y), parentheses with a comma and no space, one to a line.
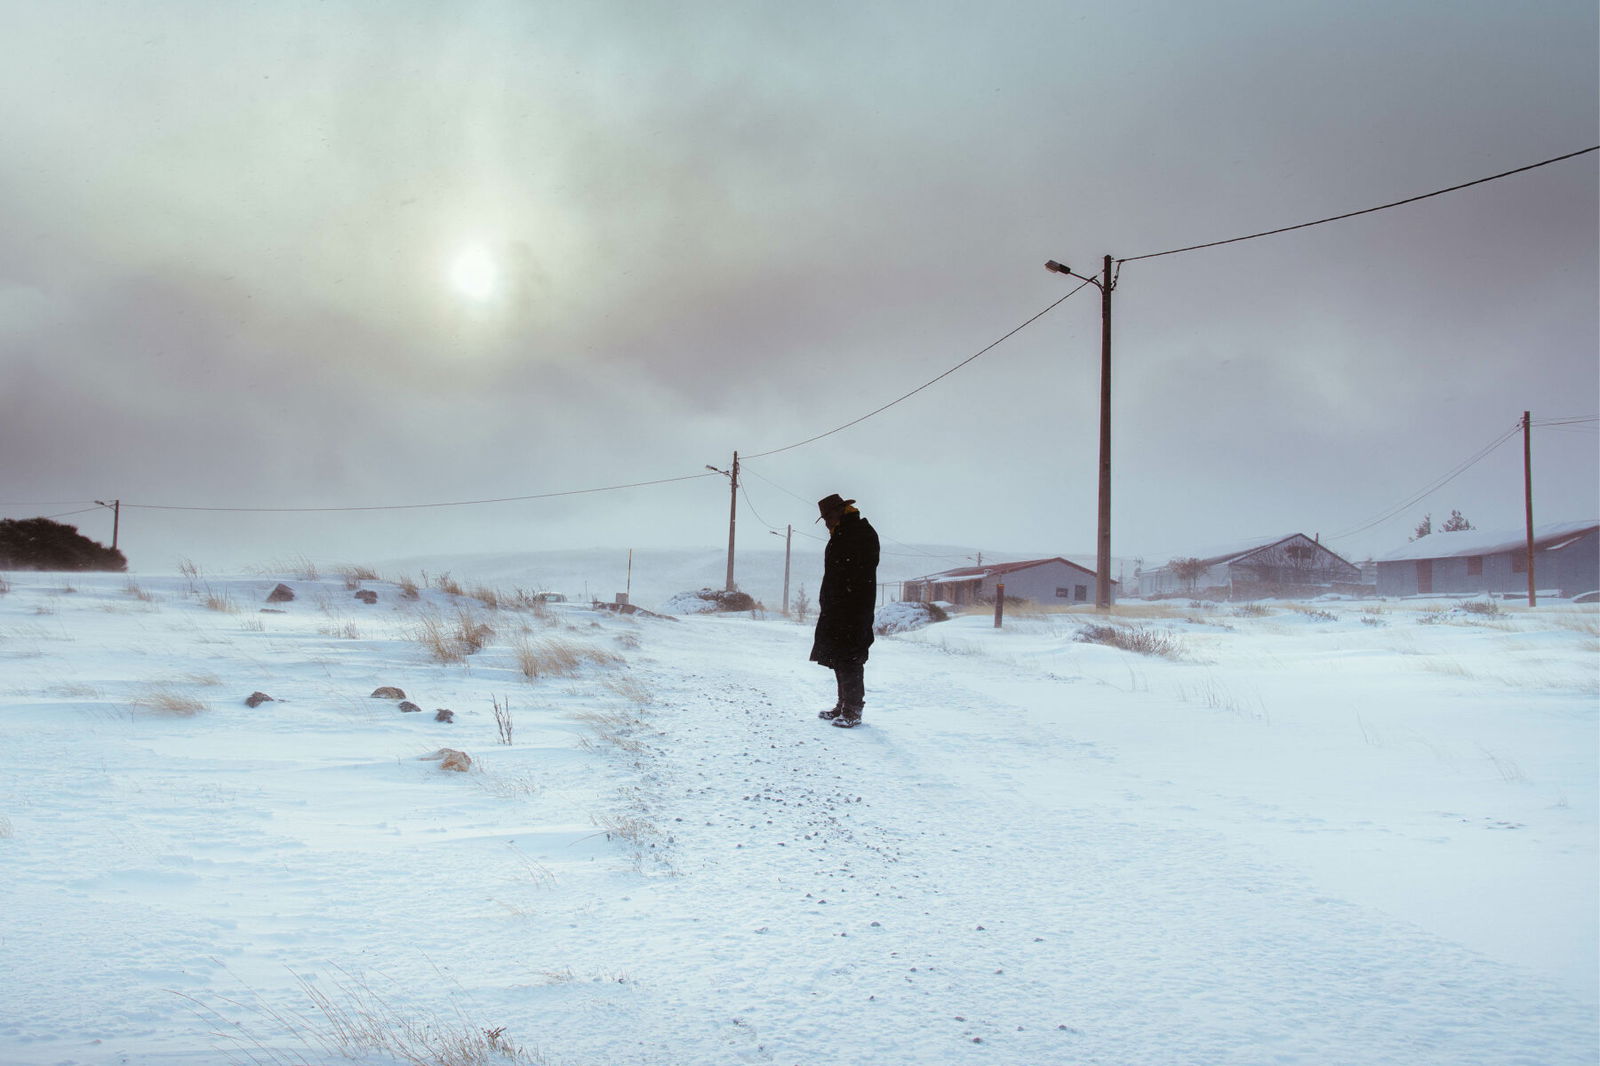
(1163,582)
(1577,566)
(1045,583)
(1569,571)
(1296,566)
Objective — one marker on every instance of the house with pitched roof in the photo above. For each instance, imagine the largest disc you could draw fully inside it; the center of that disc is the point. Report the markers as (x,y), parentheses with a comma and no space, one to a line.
(1042,581)
(1292,565)
(1472,562)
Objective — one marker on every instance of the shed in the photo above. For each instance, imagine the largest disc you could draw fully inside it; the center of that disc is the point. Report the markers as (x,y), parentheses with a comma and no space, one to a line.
(1472,562)
(1042,581)
(1292,565)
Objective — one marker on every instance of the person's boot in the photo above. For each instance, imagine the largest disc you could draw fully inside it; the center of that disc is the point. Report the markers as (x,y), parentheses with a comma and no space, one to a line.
(831,714)
(848,718)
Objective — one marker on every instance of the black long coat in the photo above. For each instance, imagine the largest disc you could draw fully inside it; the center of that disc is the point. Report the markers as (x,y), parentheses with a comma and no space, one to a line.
(849,594)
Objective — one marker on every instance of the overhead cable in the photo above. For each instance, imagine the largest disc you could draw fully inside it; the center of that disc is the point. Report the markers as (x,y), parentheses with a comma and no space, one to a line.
(984,351)
(1434,486)
(417,506)
(1364,211)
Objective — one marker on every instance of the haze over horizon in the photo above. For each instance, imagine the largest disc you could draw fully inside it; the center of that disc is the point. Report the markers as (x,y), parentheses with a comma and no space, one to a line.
(355,263)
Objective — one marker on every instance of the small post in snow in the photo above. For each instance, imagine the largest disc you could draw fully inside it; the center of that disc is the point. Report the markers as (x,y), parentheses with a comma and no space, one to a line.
(999,603)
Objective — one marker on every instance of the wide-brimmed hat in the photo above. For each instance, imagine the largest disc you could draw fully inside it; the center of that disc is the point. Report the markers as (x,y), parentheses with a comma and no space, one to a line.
(831,503)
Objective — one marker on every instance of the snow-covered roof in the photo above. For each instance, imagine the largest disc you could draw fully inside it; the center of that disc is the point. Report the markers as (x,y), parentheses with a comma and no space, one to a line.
(1488,542)
(979,573)
(1231,553)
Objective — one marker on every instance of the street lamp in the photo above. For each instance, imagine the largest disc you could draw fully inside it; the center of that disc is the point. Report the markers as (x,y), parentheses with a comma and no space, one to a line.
(1105,283)
(116,519)
(733,508)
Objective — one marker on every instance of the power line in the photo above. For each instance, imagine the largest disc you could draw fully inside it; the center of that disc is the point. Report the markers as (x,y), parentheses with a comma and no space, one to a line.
(1436,485)
(416,506)
(1538,422)
(745,491)
(911,552)
(614,488)
(1364,211)
(984,351)
(780,488)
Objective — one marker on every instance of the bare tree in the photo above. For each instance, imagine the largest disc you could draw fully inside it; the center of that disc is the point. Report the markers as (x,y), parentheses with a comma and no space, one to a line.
(801,606)
(1187,569)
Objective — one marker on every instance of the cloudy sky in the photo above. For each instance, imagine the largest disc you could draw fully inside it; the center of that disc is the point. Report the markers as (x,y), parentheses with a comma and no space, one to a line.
(336,255)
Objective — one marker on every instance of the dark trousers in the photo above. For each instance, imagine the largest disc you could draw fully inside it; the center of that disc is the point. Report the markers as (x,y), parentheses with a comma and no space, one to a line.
(852,686)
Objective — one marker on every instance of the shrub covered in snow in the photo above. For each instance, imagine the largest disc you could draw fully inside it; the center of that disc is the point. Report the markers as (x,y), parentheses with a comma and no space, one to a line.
(1140,639)
(709,601)
(905,616)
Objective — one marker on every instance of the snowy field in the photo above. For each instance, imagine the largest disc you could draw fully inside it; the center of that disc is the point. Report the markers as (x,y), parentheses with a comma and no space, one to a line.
(1332,833)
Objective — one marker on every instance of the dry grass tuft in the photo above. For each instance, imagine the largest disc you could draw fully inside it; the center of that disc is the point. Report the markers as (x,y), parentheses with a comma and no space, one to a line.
(296,566)
(161,700)
(451,641)
(349,1021)
(1138,639)
(444,583)
(502,720)
(630,689)
(555,657)
(635,830)
(220,601)
(354,575)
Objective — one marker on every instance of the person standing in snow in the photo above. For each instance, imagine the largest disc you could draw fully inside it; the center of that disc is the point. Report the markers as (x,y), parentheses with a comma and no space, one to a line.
(845,604)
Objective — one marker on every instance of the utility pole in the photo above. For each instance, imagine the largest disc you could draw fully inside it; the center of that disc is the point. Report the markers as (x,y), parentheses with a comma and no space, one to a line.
(733,514)
(1527,492)
(732,474)
(116,519)
(1102,566)
(1105,283)
(788,539)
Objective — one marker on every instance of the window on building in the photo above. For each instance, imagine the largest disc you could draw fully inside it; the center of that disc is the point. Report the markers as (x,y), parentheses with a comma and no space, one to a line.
(1519,562)
(1063,594)
(1080,593)
(1474,566)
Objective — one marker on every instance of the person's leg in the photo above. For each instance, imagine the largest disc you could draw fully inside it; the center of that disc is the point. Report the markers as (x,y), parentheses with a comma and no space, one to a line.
(852,690)
(838,704)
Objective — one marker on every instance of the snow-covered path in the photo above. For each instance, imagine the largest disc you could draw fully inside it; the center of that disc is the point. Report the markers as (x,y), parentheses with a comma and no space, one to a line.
(953,875)
(1310,839)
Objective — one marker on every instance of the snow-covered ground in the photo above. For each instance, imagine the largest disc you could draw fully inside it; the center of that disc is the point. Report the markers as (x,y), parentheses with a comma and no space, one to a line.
(1341,833)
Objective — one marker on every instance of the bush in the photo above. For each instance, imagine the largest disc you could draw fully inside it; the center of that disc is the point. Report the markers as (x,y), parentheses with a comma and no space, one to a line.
(40,544)
(905,616)
(1132,638)
(709,601)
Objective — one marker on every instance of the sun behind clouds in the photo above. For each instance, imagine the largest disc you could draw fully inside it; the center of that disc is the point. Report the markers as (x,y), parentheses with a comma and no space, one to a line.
(475,275)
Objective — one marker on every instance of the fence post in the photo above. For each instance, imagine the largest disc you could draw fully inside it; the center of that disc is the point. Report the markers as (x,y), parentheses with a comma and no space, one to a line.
(999,603)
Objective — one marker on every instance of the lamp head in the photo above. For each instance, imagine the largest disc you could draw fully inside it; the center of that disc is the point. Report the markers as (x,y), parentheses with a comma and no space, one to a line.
(1057,268)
